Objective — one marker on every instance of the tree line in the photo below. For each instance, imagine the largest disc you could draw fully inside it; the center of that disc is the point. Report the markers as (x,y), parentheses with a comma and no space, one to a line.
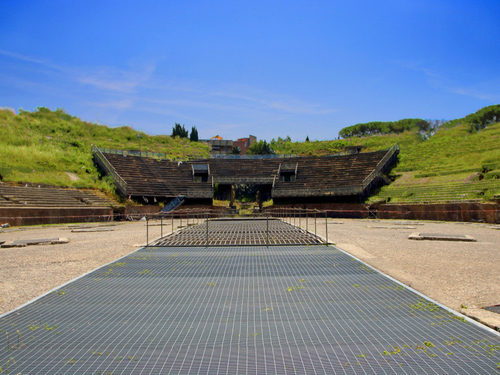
(181,131)
(479,119)
(385,127)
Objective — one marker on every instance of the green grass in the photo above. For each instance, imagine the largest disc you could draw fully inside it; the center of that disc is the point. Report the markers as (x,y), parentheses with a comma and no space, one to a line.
(43,146)
(455,163)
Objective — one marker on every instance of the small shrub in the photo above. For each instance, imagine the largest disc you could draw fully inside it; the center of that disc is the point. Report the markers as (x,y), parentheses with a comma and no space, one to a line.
(493,175)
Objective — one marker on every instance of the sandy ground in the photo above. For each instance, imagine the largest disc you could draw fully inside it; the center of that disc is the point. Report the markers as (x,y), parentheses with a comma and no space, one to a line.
(455,274)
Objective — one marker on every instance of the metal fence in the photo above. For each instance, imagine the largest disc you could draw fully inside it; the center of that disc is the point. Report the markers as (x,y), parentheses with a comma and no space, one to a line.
(202,227)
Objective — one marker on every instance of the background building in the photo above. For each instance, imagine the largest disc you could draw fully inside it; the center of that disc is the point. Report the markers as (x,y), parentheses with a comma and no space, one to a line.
(220,146)
(244,143)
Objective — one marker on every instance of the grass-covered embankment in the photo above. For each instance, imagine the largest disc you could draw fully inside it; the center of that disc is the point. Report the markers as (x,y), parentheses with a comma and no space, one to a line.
(459,160)
(54,148)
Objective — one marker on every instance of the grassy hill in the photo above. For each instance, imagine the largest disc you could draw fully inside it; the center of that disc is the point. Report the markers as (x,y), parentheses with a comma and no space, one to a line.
(459,160)
(54,148)
(453,164)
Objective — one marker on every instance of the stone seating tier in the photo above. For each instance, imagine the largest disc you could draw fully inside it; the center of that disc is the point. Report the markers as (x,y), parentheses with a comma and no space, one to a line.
(162,178)
(15,196)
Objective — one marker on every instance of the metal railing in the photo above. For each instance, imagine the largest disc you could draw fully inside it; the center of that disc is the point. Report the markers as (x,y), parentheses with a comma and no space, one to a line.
(147,154)
(253,157)
(108,168)
(380,165)
(304,220)
(173,204)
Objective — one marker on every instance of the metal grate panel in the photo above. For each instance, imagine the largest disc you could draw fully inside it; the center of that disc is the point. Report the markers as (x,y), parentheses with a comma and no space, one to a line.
(240,232)
(241,310)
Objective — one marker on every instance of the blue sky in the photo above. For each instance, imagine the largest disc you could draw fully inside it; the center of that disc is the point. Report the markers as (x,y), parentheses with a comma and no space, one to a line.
(235,68)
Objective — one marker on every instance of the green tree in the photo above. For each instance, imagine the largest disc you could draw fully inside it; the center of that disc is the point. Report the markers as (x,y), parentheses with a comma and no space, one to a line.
(236,150)
(307,139)
(180,131)
(194,134)
(388,127)
(260,148)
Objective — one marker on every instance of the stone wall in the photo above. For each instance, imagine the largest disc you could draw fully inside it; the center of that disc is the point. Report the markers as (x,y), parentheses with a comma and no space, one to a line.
(17,216)
(137,210)
(465,212)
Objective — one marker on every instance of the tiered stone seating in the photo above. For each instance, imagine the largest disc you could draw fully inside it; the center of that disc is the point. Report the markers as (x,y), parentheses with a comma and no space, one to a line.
(159,178)
(244,169)
(334,175)
(472,191)
(29,196)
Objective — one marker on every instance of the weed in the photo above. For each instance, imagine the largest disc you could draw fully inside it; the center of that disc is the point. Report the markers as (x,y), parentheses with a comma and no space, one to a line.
(396,287)
(20,343)
(49,328)
(396,350)
(459,318)
(366,268)
(298,287)
(110,272)
(268,308)
(6,369)
(424,305)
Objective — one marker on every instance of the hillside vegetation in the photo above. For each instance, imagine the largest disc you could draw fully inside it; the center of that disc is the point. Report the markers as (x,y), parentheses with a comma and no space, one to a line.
(453,164)
(54,148)
(438,162)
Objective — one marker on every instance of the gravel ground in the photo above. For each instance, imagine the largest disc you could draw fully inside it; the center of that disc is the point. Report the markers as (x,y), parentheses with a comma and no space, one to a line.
(455,274)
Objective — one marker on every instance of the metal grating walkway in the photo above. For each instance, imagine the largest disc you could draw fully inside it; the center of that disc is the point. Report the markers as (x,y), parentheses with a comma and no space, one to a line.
(241,310)
(247,232)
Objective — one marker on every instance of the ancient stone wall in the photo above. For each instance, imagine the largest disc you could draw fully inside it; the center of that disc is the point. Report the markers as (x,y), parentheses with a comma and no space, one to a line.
(17,216)
(465,212)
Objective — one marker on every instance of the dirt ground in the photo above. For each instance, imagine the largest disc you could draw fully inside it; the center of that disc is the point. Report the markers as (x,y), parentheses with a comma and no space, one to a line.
(455,274)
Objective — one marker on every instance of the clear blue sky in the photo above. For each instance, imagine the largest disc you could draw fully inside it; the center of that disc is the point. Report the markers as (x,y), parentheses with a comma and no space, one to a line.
(267,68)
